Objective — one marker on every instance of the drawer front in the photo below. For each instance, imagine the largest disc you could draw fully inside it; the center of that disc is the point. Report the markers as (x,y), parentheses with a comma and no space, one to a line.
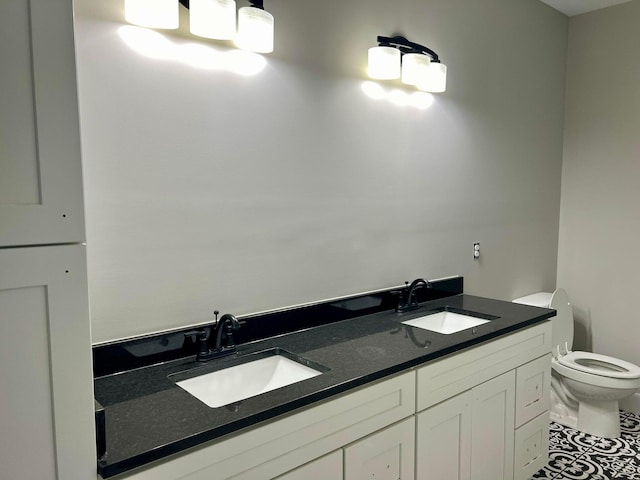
(456,373)
(533,382)
(531,447)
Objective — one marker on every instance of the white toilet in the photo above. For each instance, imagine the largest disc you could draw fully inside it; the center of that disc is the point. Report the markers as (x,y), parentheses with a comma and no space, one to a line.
(585,387)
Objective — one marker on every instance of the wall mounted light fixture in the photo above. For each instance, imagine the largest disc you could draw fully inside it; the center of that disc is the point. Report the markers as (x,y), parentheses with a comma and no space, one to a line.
(416,65)
(152,13)
(214,19)
(255,28)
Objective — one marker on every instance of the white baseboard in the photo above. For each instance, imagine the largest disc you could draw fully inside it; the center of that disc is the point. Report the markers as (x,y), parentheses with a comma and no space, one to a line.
(631,404)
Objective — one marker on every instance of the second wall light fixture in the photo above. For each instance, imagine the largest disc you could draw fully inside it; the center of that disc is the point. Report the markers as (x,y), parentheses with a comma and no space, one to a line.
(412,63)
(214,19)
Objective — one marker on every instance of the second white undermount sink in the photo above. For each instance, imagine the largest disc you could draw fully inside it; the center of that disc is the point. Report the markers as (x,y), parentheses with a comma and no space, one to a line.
(446,322)
(274,369)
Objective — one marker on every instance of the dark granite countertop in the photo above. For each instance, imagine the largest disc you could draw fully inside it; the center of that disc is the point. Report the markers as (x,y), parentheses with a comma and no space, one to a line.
(149,417)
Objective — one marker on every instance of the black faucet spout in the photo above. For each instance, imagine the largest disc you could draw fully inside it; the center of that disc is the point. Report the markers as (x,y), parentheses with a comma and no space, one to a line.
(411,303)
(227,324)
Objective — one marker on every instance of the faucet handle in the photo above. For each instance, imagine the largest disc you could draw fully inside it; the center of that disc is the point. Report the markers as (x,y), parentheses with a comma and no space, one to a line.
(201,334)
(401,294)
(202,337)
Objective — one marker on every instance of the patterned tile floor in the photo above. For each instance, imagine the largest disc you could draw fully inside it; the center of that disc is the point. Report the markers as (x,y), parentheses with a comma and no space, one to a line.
(574,455)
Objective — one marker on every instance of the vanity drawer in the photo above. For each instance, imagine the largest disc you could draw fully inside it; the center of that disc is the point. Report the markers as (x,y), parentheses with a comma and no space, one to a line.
(533,381)
(531,447)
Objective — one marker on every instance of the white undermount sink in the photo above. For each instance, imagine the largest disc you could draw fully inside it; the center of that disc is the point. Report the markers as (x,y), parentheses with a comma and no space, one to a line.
(446,322)
(246,380)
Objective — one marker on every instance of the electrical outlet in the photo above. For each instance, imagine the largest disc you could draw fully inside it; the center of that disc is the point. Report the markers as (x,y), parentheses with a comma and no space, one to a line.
(476,250)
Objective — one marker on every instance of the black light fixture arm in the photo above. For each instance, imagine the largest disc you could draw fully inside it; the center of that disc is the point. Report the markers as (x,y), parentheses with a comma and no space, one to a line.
(405,46)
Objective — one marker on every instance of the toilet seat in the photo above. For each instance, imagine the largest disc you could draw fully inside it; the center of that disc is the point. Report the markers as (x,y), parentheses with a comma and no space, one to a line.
(601,365)
(593,379)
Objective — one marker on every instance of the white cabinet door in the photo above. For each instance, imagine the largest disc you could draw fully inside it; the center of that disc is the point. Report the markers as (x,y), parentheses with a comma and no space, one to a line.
(325,468)
(40,167)
(385,455)
(443,441)
(470,436)
(492,428)
(46,404)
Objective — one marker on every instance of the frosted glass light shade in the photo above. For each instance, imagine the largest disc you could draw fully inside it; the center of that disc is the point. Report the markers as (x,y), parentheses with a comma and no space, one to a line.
(436,79)
(152,13)
(415,67)
(255,30)
(213,18)
(384,63)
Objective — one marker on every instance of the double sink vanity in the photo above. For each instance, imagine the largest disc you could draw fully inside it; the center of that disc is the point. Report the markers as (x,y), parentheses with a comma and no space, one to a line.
(457,388)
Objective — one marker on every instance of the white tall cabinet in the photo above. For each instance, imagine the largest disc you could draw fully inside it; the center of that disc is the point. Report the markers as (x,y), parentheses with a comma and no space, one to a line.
(46,411)
(46,406)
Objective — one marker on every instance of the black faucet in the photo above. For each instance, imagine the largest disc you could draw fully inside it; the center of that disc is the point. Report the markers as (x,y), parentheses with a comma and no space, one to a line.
(226,325)
(411,303)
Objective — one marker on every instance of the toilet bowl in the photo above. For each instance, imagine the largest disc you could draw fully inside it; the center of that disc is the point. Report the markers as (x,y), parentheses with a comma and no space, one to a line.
(585,387)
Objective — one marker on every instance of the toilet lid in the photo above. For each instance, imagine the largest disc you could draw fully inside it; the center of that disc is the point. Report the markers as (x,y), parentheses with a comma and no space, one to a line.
(562,324)
(599,365)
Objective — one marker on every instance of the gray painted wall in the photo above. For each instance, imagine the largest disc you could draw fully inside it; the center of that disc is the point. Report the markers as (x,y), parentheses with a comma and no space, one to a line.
(600,221)
(207,190)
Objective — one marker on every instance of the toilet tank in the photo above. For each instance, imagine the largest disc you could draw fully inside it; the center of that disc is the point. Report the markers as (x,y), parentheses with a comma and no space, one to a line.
(540,299)
(562,323)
